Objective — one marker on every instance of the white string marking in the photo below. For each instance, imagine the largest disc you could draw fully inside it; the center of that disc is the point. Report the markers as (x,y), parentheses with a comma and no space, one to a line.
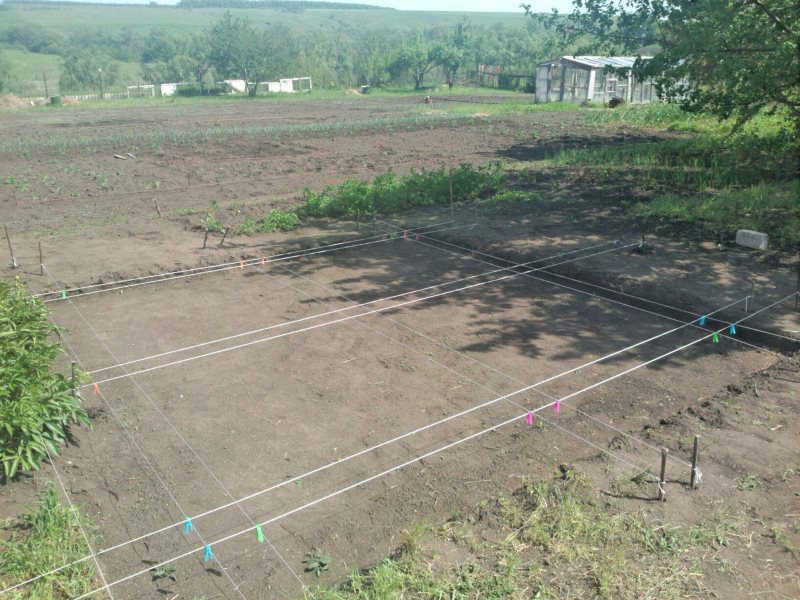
(340,320)
(478,362)
(473,381)
(331,312)
(347,458)
(200,459)
(74,512)
(224,267)
(430,453)
(605,298)
(177,504)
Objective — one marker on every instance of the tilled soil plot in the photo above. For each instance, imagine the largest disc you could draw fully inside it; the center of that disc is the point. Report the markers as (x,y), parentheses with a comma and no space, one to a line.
(188,438)
(303,395)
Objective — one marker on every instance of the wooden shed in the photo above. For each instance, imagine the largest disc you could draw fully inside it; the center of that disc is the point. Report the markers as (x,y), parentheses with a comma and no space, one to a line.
(580,79)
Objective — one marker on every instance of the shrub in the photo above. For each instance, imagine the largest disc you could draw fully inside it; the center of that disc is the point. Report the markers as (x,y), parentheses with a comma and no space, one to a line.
(36,405)
(279,220)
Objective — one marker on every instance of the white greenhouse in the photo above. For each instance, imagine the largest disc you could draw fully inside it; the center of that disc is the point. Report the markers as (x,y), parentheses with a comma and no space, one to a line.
(582,79)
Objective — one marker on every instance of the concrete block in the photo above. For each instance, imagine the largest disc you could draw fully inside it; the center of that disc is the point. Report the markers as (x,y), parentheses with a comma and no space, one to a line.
(752,239)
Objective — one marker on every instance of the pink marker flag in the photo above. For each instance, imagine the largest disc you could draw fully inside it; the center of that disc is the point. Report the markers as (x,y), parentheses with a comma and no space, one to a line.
(529,418)
(241,264)
(416,237)
(557,407)
(405,233)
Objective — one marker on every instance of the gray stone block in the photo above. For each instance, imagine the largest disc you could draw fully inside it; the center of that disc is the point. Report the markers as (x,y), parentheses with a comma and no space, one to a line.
(752,239)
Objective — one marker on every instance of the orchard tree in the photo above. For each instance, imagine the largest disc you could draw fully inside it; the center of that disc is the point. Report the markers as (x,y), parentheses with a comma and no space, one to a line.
(235,51)
(732,58)
(414,57)
(453,52)
(87,69)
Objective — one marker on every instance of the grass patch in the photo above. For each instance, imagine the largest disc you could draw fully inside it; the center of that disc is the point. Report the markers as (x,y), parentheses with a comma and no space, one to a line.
(550,539)
(43,539)
(769,207)
(391,194)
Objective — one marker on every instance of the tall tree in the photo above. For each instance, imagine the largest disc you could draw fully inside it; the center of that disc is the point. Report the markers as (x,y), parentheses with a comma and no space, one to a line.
(729,57)
(414,57)
(235,51)
(453,52)
(87,69)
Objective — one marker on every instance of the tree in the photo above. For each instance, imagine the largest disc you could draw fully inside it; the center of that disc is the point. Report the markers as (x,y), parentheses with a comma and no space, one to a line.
(414,58)
(82,70)
(453,52)
(235,50)
(728,57)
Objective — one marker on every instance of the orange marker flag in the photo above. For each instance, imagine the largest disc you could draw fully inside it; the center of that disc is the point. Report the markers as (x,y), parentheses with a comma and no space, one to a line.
(96,389)
(241,264)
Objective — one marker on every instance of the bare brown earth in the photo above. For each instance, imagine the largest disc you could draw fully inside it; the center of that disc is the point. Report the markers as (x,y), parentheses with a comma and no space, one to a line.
(190,437)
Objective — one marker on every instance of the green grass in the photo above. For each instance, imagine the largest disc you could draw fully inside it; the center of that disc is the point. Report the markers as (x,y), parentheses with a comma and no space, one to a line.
(768,207)
(550,539)
(43,539)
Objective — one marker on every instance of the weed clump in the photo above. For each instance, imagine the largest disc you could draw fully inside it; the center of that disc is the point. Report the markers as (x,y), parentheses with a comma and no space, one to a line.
(46,538)
(392,194)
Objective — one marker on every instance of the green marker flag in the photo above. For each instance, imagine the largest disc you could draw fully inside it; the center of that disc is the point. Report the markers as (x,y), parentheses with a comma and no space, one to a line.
(63,295)
(259,534)
(715,338)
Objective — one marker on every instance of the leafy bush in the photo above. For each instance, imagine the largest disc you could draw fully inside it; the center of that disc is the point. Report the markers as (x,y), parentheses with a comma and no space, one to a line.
(44,539)
(36,405)
(279,220)
(509,196)
(390,193)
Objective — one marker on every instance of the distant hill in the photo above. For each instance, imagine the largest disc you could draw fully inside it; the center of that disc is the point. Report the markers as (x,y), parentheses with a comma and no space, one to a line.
(280,5)
(287,5)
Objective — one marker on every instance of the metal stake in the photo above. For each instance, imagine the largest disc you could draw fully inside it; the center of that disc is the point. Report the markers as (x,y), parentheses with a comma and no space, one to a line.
(695,481)
(41,260)
(224,235)
(662,480)
(205,239)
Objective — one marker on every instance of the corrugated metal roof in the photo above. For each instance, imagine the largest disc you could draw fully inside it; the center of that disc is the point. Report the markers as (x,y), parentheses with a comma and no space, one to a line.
(617,62)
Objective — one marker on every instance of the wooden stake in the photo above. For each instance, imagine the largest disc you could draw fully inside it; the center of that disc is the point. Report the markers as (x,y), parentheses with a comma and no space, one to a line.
(662,480)
(205,239)
(452,217)
(158,208)
(694,481)
(74,381)
(224,235)
(41,261)
(11,250)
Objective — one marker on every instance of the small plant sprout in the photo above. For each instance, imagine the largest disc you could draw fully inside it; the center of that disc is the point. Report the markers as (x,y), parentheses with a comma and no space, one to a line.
(316,563)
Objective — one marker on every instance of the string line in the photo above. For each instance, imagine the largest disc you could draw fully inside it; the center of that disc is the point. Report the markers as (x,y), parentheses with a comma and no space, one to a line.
(427,454)
(328,313)
(335,321)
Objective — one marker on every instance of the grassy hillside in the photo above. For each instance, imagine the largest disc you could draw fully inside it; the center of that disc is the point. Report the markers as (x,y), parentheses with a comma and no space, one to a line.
(70,19)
